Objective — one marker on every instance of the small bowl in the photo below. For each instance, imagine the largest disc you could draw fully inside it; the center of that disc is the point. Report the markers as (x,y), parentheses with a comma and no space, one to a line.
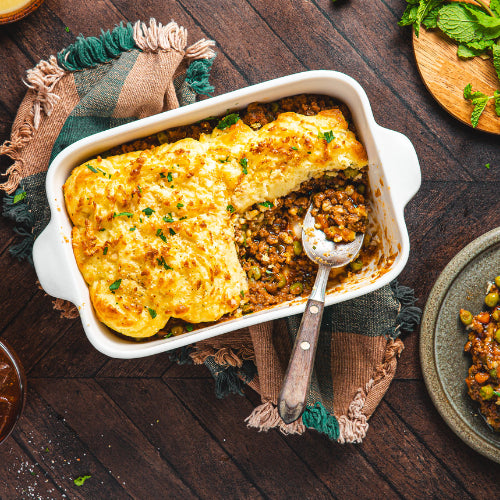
(8,357)
(19,12)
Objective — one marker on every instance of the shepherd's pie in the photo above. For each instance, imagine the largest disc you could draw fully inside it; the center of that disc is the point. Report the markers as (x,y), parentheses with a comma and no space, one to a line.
(154,230)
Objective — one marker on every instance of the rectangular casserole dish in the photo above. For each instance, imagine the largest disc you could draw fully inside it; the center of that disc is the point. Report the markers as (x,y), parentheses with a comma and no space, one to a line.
(394,177)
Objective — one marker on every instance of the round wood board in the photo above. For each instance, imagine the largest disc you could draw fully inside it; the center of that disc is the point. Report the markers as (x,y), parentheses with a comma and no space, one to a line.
(446,75)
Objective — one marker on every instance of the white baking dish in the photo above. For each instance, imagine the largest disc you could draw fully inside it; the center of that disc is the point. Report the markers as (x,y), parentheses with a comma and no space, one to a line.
(394,175)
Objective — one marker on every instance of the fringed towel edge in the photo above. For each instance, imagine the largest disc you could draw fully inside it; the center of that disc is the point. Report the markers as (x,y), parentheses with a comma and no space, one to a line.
(409,315)
(265,417)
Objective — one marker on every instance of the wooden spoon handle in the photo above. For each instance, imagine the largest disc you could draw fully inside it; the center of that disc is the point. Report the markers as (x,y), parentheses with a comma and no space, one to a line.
(292,399)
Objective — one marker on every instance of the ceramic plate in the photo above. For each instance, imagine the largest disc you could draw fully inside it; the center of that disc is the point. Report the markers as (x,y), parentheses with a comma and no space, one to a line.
(462,284)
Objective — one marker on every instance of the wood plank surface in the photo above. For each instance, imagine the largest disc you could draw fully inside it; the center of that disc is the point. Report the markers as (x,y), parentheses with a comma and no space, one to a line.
(149,428)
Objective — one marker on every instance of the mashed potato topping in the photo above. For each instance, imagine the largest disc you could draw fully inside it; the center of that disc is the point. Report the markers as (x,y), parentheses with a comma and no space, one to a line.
(153,231)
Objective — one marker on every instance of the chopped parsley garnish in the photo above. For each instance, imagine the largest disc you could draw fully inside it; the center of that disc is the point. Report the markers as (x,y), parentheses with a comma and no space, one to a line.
(487,165)
(180,205)
(182,218)
(105,250)
(242,293)
(496,393)
(268,271)
(152,312)
(266,204)
(228,120)
(97,169)
(148,211)
(230,208)
(80,479)
(162,175)
(168,218)
(114,286)
(18,197)
(102,229)
(295,148)
(171,231)
(139,188)
(132,228)
(162,262)
(161,235)
(226,160)
(126,214)
(244,165)
(168,335)
(189,328)
(327,136)
(172,186)
(67,31)
(169,177)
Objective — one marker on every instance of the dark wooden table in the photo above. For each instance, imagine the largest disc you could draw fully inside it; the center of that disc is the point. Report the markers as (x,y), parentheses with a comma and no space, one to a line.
(149,428)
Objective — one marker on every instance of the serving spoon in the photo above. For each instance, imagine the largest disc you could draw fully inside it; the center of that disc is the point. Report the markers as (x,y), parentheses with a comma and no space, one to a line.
(326,254)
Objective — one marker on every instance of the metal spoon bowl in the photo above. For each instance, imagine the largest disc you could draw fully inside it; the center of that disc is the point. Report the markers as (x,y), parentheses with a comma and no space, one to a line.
(326,254)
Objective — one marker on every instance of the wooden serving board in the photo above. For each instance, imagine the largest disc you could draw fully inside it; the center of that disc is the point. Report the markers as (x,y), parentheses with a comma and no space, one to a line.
(446,75)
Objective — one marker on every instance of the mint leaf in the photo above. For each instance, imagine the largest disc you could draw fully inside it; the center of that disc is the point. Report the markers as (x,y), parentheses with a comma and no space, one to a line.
(496,58)
(480,44)
(424,8)
(490,26)
(496,96)
(468,91)
(495,7)
(80,480)
(479,105)
(465,23)
(409,15)
(465,52)
(469,94)
(430,20)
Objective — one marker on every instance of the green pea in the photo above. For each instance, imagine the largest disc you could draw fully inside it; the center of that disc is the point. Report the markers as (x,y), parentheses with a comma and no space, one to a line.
(254,272)
(486,392)
(177,330)
(496,314)
(281,279)
(246,308)
(162,137)
(356,265)
(297,288)
(491,300)
(497,335)
(350,172)
(497,281)
(465,317)
(297,247)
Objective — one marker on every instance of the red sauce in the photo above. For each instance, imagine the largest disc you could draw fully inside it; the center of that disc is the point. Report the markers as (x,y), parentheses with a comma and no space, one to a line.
(11,393)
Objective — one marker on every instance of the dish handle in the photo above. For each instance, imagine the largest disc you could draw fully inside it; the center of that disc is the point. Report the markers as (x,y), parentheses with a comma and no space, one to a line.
(52,264)
(401,166)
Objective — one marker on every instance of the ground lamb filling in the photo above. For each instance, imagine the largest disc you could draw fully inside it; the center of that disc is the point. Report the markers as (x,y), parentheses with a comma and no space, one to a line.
(268,236)
(483,380)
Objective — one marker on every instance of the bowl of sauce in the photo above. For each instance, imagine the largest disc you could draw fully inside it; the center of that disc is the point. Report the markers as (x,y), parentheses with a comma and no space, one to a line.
(12,390)
(13,10)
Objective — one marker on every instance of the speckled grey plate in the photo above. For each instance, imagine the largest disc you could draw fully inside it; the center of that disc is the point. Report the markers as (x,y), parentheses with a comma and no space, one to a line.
(462,284)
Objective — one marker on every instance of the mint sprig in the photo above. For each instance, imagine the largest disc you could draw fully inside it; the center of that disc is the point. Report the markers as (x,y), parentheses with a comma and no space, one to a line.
(480,100)
(475,28)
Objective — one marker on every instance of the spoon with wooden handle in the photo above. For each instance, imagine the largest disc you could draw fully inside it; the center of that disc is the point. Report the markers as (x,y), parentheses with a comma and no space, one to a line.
(326,253)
